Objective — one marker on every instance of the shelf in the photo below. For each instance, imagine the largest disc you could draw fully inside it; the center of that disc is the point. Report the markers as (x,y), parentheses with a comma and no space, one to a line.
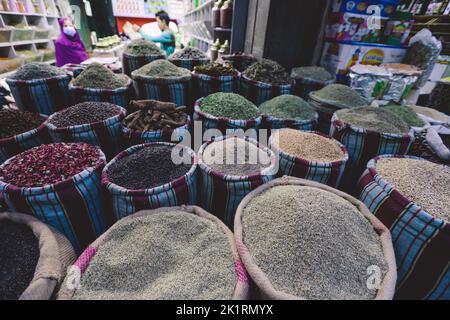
(28,14)
(207,3)
(222,29)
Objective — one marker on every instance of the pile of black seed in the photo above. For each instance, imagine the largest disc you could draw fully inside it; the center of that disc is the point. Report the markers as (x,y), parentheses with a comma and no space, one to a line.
(84,113)
(14,122)
(36,70)
(19,255)
(148,168)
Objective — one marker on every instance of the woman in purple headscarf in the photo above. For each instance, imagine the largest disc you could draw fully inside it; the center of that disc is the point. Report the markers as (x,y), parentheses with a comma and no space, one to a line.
(69,47)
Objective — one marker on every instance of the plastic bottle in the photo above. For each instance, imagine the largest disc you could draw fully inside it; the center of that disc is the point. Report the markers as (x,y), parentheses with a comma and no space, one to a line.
(215,19)
(215,50)
(226,14)
(224,49)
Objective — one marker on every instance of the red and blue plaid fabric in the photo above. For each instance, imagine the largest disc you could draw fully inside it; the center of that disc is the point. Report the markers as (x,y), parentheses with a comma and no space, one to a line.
(125,202)
(189,64)
(176,91)
(12,146)
(421,241)
(132,62)
(225,125)
(329,173)
(204,85)
(363,145)
(134,137)
(74,206)
(44,96)
(259,92)
(120,96)
(221,194)
(106,134)
(272,123)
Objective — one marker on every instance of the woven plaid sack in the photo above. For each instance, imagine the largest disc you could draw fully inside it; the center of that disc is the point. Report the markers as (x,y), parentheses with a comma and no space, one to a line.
(73,207)
(135,137)
(302,86)
(56,254)
(106,134)
(241,291)
(221,194)
(259,92)
(329,173)
(120,96)
(177,90)
(224,125)
(189,64)
(44,96)
(363,145)
(125,202)
(421,241)
(262,281)
(272,123)
(132,62)
(204,85)
(14,145)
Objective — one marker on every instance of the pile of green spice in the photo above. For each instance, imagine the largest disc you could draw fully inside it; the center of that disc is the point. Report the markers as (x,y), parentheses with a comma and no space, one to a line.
(97,76)
(374,119)
(162,69)
(189,53)
(423,182)
(288,107)
(215,69)
(229,105)
(236,157)
(171,255)
(316,74)
(406,114)
(316,246)
(14,122)
(142,47)
(267,71)
(35,71)
(341,95)
(19,255)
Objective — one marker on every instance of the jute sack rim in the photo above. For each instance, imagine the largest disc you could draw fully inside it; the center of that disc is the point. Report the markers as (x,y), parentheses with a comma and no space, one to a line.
(269,171)
(387,289)
(396,195)
(28,133)
(330,103)
(242,285)
(49,270)
(340,125)
(119,190)
(87,126)
(36,82)
(303,161)
(123,89)
(198,111)
(29,191)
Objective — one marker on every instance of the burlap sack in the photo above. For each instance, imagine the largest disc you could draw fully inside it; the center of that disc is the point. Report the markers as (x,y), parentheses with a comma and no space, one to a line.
(241,290)
(387,290)
(56,254)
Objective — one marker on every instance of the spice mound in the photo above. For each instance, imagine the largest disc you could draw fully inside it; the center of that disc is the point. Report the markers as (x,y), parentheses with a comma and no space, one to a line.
(162,69)
(288,107)
(147,168)
(19,256)
(36,71)
(431,113)
(236,157)
(229,105)
(307,146)
(407,114)
(142,47)
(215,69)
(171,255)
(49,164)
(84,113)
(423,182)
(317,74)
(97,76)
(267,71)
(189,53)
(316,246)
(375,119)
(155,115)
(14,122)
(341,95)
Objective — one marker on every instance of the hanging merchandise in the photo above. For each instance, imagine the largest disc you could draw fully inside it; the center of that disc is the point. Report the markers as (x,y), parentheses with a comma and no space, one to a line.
(369,81)
(398,29)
